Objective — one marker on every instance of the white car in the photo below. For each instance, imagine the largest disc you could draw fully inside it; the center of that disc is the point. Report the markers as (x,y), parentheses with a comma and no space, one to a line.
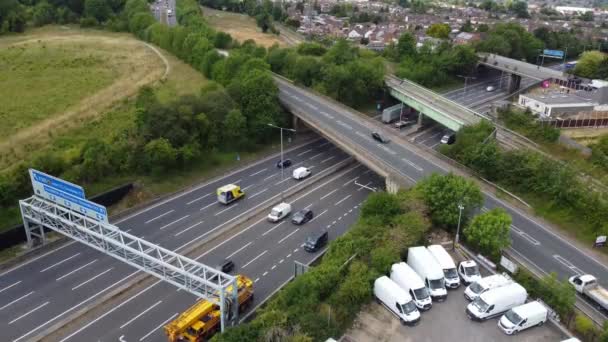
(490,88)
(301,173)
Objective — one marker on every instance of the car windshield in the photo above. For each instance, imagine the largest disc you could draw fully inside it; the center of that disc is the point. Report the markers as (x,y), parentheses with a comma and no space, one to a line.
(437,284)
(471,270)
(310,241)
(421,293)
(298,215)
(408,307)
(480,304)
(476,288)
(513,317)
(450,273)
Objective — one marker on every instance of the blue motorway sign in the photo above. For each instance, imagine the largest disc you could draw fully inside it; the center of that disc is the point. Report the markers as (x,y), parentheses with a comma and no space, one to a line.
(553,53)
(56,183)
(66,194)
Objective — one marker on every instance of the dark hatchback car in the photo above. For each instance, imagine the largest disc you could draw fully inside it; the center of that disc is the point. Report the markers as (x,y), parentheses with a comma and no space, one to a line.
(302,216)
(284,163)
(315,242)
(227,266)
(379,138)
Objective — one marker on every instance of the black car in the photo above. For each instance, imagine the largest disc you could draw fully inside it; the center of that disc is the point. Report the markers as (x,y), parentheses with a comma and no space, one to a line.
(227,266)
(379,138)
(302,216)
(284,163)
(315,242)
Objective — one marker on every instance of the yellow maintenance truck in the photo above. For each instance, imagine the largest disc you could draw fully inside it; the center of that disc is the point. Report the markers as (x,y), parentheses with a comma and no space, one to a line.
(229,193)
(202,320)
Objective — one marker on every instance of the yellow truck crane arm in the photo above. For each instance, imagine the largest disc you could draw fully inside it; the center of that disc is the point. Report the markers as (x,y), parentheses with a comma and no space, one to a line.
(188,318)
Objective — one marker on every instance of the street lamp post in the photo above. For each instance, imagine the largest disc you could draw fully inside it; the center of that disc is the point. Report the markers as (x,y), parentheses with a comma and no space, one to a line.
(282,159)
(465,81)
(460,209)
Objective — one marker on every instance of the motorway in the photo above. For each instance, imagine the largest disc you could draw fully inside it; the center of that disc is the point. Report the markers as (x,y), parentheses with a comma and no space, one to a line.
(160,10)
(531,240)
(37,294)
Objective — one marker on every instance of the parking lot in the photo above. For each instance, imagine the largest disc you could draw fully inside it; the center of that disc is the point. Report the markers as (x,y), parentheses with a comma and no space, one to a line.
(445,321)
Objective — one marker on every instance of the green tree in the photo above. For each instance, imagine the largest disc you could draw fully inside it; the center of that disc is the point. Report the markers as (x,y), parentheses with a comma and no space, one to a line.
(483,28)
(222,40)
(439,30)
(259,102)
(489,232)
(98,9)
(587,16)
(43,14)
(406,46)
(340,53)
(467,27)
(159,155)
(443,193)
(307,70)
(589,64)
(381,205)
(234,131)
(520,8)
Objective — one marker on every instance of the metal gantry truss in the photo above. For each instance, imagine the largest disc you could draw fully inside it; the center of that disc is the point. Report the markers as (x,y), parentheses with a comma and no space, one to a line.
(190,275)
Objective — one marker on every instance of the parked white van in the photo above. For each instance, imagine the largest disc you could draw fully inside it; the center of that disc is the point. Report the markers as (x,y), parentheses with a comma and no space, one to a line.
(469,271)
(279,212)
(421,261)
(523,317)
(452,280)
(486,284)
(496,301)
(396,300)
(301,173)
(407,279)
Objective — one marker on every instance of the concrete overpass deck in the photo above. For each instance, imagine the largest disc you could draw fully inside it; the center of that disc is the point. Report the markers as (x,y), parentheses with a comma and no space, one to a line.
(520,68)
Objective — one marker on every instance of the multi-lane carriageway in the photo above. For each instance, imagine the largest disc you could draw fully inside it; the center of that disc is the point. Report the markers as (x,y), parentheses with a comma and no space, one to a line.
(40,293)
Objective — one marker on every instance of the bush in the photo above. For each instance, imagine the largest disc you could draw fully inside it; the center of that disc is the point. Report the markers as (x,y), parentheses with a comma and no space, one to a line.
(489,233)
(381,204)
(88,22)
(559,295)
(524,123)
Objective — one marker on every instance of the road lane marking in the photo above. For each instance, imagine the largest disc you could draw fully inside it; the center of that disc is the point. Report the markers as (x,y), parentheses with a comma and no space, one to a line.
(256,279)
(314,218)
(36,258)
(328,194)
(90,280)
(158,327)
(207,206)
(40,326)
(187,229)
(8,287)
(16,300)
(273,267)
(267,178)
(258,193)
(106,313)
(352,180)
(141,314)
(530,239)
(410,163)
(257,173)
(76,270)
(230,207)
(328,159)
(289,255)
(273,228)
(282,181)
(325,144)
(290,234)
(198,199)
(159,216)
(60,262)
(256,258)
(303,153)
(344,124)
(342,200)
(316,155)
(366,186)
(281,261)
(179,219)
(238,250)
(563,261)
(27,313)
(229,239)
(265,273)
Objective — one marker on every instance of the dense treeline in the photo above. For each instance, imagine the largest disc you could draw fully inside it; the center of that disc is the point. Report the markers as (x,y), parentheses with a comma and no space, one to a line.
(388,225)
(231,113)
(348,74)
(526,172)
(524,123)
(512,40)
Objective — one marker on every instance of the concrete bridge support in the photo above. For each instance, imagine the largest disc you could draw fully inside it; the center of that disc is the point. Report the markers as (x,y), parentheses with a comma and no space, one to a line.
(514,83)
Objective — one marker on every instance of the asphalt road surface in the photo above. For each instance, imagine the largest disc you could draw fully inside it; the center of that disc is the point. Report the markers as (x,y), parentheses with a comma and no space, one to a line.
(533,241)
(41,292)
(164,11)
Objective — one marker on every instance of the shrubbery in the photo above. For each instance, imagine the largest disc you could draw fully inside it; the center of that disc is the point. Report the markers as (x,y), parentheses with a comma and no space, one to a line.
(558,294)
(524,123)
(301,310)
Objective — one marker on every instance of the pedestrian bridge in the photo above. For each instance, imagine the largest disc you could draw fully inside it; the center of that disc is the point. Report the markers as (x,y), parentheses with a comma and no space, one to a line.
(429,103)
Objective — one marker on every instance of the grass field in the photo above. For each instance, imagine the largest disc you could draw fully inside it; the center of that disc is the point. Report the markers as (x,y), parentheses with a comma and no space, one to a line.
(56,79)
(240,26)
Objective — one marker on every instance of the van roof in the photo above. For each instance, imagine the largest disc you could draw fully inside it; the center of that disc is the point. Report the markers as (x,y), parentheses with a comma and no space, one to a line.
(500,292)
(530,309)
(495,280)
(413,279)
(401,296)
(441,255)
(301,168)
(432,268)
(228,187)
(282,206)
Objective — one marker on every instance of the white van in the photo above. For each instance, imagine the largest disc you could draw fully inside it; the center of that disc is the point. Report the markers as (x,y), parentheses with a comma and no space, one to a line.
(301,173)
(523,317)
(407,279)
(279,212)
(496,301)
(396,300)
(469,271)
(486,284)
(452,280)
(421,261)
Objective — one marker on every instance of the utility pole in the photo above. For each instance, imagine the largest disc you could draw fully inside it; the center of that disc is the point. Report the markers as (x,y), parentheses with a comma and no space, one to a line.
(460,209)
(282,159)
